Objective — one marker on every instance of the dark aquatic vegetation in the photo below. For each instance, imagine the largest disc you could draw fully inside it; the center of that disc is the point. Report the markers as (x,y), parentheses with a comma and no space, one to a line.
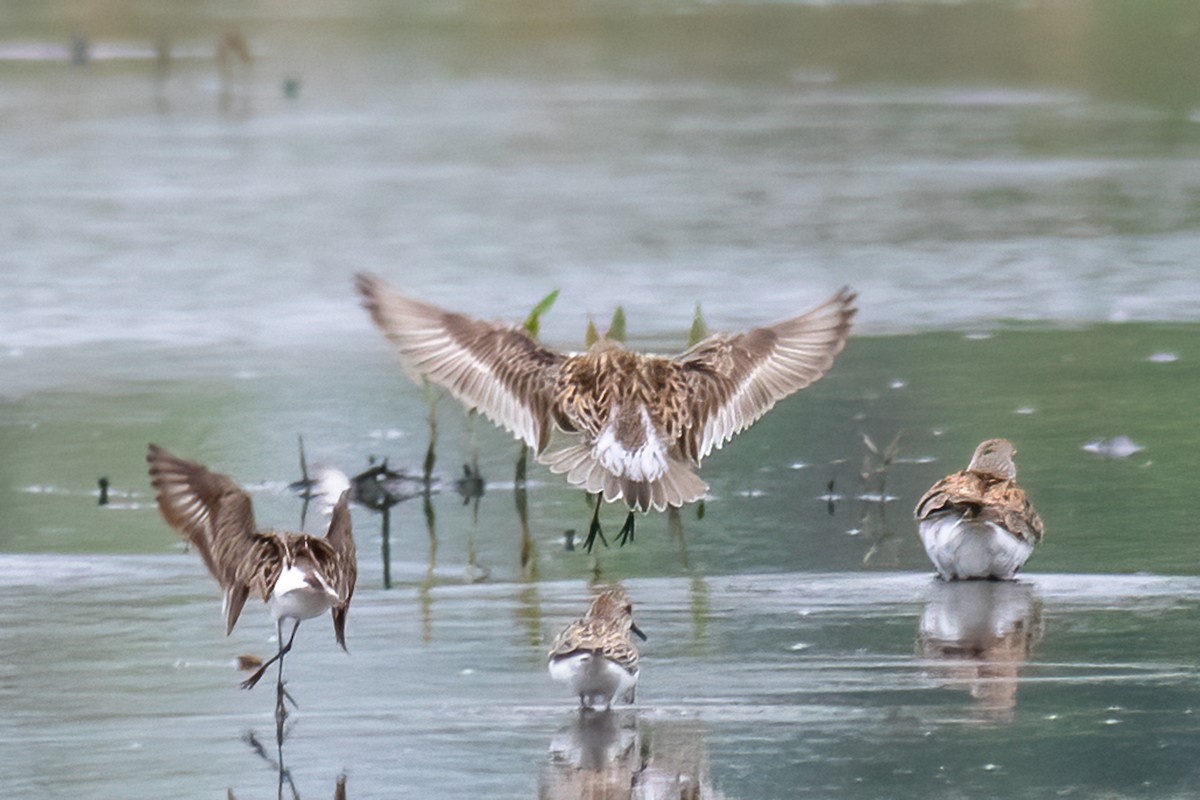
(471,486)
(379,487)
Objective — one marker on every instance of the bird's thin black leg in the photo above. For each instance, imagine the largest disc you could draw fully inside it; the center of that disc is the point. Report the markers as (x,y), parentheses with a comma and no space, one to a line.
(594,527)
(258,673)
(626,533)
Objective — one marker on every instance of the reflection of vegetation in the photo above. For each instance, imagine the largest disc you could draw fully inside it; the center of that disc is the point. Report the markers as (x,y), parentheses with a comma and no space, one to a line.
(876,463)
(698,599)
(675,529)
(528,556)
(431,399)
(471,488)
(529,611)
(428,582)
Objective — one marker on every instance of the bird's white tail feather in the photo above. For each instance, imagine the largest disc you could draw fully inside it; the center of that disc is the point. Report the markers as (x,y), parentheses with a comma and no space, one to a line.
(677,485)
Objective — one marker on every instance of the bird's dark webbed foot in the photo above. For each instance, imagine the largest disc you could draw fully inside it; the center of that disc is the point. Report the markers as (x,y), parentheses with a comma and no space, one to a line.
(594,528)
(253,680)
(626,534)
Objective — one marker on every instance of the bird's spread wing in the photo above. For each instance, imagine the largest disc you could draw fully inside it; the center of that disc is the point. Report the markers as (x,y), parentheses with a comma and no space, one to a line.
(498,369)
(213,513)
(209,509)
(736,378)
(344,574)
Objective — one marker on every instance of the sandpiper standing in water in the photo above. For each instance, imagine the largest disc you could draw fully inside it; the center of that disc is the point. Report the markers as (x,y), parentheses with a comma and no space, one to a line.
(596,656)
(298,576)
(977,523)
(637,425)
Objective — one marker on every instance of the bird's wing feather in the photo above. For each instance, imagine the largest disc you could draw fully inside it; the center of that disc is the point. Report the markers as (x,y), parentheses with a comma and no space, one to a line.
(496,368)
(734,379)
(961,491)
(209,509)
(596,636)
(987,498)
(235,600)
(1007,505)
(345,572)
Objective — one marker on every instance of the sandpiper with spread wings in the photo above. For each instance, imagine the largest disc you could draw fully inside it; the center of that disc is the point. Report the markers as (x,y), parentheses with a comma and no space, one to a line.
(298,576)
(596,654)
(638,425)
(977,523)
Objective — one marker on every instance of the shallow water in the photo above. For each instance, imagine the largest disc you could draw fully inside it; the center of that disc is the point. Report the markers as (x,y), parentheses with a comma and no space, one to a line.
(815,684)
(1012,188)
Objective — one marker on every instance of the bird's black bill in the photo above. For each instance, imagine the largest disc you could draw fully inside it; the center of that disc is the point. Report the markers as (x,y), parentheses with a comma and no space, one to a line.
(637,631)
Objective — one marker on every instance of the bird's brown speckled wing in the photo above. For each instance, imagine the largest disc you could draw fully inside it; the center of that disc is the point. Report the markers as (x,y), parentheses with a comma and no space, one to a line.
(736,378)
(343,573)
(214,514)
(1008,506)
(599,636)
(960,491)
(984,498)
(495,368)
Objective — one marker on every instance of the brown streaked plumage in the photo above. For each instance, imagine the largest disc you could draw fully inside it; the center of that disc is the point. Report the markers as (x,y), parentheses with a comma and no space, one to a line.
(596,654)
(977,523)
(638,424)
(216,517)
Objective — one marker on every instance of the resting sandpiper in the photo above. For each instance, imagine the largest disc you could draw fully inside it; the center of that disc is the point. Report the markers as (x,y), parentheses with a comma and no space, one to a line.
(595,655)
(977,523)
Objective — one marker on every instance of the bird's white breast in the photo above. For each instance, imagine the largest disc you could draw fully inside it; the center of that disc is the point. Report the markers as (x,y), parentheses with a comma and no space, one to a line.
(295,597)
(961,548)
(597,680)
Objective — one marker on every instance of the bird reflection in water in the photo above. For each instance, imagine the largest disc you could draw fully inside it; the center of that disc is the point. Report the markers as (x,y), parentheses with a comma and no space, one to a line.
(981,633)
(284,774)
(610,755)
